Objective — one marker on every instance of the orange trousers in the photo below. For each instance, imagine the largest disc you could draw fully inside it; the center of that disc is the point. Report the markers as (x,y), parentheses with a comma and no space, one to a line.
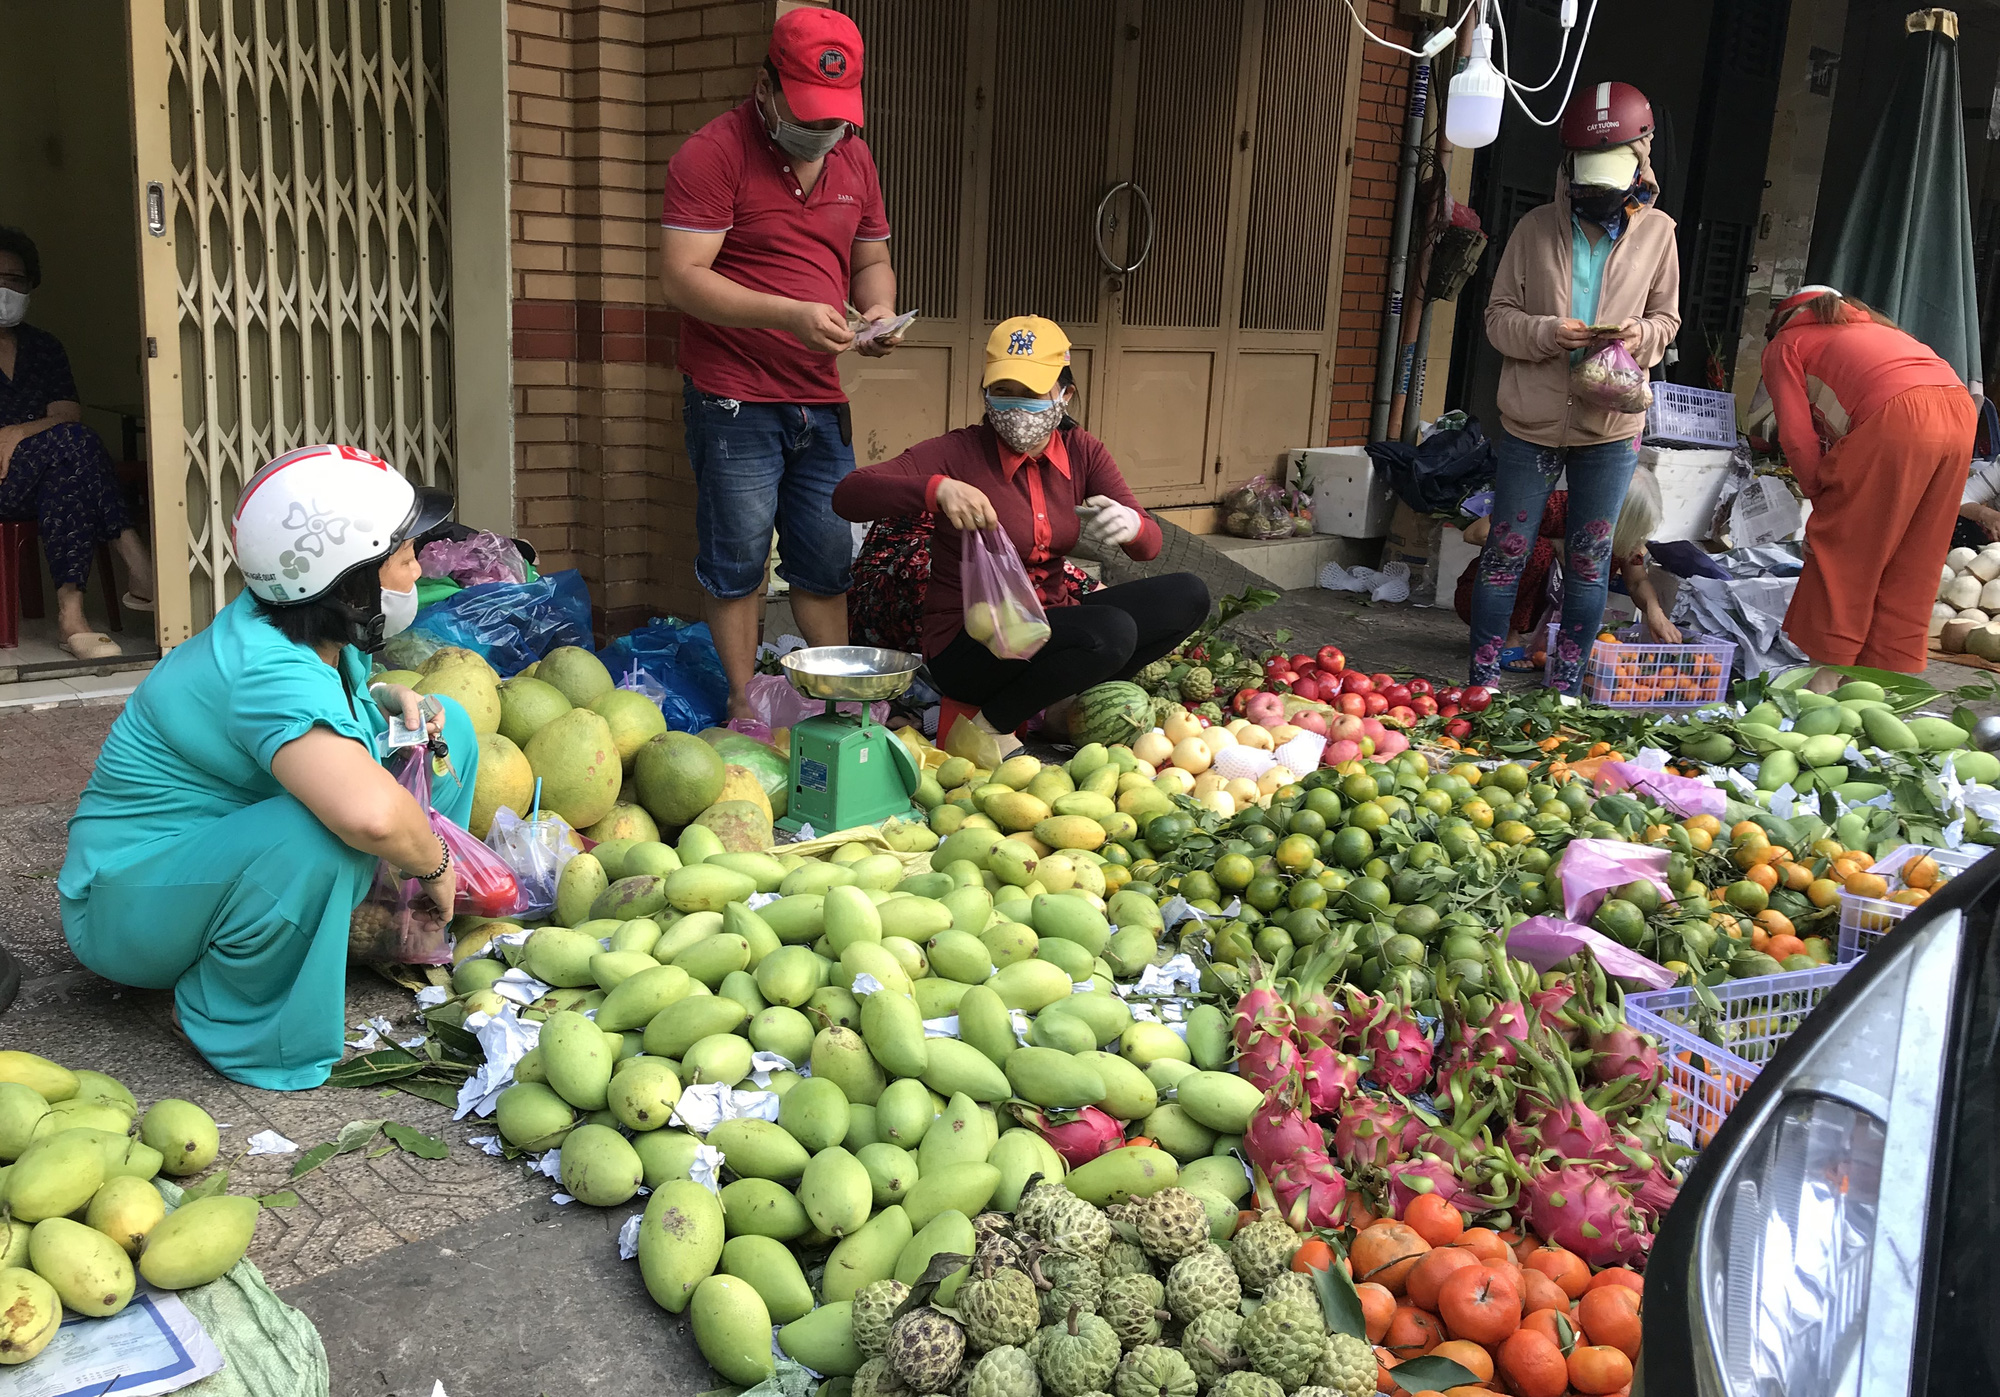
(1881,524)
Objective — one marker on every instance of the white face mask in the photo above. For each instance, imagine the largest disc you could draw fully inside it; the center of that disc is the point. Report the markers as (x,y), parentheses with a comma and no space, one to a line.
(399,609)
(13,307)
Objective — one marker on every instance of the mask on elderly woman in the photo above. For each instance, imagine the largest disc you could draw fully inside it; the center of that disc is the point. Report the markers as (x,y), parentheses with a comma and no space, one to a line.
(399,610)
(1026,424)
(1597,204)
(13,307)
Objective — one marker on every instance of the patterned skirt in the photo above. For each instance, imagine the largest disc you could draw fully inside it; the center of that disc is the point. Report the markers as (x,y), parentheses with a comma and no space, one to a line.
(885,606)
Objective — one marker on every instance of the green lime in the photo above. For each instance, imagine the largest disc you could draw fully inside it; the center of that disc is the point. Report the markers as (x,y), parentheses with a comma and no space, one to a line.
(1359,787)
(1746,896)
(1402,949)
(1371,894)
(1307,822)
(1266,892)
(1468,772)
(1576,795)
(1116,854)
(1417,920)
(1324,803)
(1368,816)
(1458,842)
(1511,777)
(1622,922)
(1377,867)
(1334,880)
(1234,871)
(1307,894)
(1437,802)
(1535,860)
(1396,806)
(1295,851)
(1259,837)
(1641,893)
(1554,809)
(1272,942)
(1198,885)
(1513,832)
(1478,813)
(1353,847)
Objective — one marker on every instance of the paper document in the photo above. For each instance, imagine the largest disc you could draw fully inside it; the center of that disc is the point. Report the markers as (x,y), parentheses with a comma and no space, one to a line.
(154,1345)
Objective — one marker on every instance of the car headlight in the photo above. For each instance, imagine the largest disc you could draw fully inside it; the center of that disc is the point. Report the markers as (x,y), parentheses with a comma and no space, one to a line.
(1806,1270)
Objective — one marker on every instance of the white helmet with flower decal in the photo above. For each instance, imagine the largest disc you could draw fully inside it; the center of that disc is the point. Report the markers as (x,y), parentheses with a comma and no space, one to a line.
(314,515)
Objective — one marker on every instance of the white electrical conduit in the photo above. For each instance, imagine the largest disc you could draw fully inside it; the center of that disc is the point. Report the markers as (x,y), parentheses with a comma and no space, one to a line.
(1445,35)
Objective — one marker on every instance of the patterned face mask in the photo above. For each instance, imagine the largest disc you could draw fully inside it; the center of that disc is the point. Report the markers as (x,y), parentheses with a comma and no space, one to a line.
(1026,424)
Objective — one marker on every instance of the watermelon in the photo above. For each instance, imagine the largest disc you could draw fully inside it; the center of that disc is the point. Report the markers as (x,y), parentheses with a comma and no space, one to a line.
(1111,713)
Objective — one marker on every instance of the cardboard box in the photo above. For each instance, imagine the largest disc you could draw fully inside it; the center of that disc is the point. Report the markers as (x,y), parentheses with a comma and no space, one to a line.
(1351,498)
(1690,488)
(1414,540)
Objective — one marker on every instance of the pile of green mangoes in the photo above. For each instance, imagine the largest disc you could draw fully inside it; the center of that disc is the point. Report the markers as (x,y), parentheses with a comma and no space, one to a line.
(83,1217)
(932,1032)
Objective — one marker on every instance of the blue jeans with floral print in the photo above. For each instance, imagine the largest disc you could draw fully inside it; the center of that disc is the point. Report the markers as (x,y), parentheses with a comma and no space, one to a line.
(1527,472)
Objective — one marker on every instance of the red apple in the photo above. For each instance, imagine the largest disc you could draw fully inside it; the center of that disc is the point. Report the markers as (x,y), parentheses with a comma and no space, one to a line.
(1301,661)
(1310,720)
(1382,681)
(1345,749)
(1420,686)
(1330,659)
(1355,682)
(1347,725)
(1242,697)
(1402,713)
(1451,695)
(1306,687)
(1392,744)
(1397,693)
(1374,703)
(1355,704)
(1425,705)
(1447,710)
(1459,728)
(1476,699)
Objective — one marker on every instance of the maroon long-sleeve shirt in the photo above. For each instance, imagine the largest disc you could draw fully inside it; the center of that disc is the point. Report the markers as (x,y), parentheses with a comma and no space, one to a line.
(1035,498)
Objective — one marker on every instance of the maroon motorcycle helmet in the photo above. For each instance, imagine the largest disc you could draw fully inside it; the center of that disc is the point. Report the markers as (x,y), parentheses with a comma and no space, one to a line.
(1606,114)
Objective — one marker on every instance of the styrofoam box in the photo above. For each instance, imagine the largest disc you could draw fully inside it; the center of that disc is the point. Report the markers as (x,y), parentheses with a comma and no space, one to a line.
(1351,498)
(1455,555)
(1690,487)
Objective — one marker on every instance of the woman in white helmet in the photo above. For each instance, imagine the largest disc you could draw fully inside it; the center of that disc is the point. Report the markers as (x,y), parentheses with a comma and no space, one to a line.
(239,805)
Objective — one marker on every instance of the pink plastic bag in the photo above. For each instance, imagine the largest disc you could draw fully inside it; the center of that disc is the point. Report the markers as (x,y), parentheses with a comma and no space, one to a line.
(1543,941)
(1611,378)
(485,557)
(778,705)
(1002,611)
(1683,795)
(1262,508)
(397,923)
(1591,868)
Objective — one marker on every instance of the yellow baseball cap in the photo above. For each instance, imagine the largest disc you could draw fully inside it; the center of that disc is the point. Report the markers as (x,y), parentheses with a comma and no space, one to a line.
(1027,349)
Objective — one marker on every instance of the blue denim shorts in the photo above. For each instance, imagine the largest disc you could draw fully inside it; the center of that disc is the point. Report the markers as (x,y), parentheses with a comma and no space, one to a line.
(759,466)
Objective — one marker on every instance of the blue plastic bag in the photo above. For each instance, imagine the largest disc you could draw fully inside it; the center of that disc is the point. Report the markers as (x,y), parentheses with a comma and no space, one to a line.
(681,658)
(511,624)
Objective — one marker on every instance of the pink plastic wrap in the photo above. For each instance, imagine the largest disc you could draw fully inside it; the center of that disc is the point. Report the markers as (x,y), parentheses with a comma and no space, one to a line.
(778,705)
(484,557)
(1591,868)
(1683,795)
(1002,611)
(1610,378)
(1543,941)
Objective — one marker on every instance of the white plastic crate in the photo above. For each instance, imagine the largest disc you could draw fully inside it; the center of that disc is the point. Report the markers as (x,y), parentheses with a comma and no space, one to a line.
(1866,920)
(1705,1080)
(1694,416)
(1661,676)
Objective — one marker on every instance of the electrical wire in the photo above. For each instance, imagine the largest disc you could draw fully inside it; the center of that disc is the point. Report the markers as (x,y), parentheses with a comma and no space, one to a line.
(1433,48)
(1562,52)
(1515,89)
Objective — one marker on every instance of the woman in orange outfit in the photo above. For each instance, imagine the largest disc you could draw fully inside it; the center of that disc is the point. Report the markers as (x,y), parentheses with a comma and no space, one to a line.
(1878,430)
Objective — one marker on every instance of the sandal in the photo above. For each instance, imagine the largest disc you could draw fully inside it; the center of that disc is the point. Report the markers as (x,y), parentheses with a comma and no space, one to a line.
(135,603)
(1514,659)
(92,645)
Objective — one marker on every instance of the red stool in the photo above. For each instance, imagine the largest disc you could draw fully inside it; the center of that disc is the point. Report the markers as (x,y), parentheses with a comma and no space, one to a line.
(950,710)
(17,554)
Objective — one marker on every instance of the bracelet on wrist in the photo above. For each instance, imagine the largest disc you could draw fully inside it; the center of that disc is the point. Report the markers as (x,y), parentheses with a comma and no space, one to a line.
(444,862)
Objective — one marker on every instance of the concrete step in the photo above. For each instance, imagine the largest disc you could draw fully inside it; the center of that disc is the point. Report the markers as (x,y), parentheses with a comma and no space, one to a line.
(1291,563)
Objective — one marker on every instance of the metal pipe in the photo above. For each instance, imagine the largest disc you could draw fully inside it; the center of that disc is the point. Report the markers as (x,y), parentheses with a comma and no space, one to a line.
(1413,396)
(1389,350)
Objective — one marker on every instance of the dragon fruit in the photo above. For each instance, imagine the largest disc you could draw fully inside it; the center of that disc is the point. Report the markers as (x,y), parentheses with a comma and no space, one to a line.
(1316,1015)
(1653,1183)
(1290,1152)
(1359,1011)
(1082,1139)
(1622,1052)
(1310,1190)
(1547,1004)
(1260,1014)
(1428,1174)
(1399,1052)
(1270,1061)
(1579,1207)
(1279,1128)
(1552,1114)
(1374,1130)
(1331,1077)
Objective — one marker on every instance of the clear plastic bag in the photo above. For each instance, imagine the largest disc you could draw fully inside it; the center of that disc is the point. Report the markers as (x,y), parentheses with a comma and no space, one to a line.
(778,705)
(397,923)
(484,557)
(1262,508)
(1610,378)
(536,851)
(1002,611)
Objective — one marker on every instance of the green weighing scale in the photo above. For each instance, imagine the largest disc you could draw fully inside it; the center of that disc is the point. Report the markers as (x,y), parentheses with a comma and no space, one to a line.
(847,769)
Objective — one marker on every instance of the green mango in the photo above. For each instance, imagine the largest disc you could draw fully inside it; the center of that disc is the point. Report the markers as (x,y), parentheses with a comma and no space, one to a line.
(1973,765)
(1052,1078)
(198,1241)
(959,955)
(599,1167)
(1220,1174)
(1222,1101)
(892,1171)
(836,1191)
(714,958)
(1032,985)
(740,920)
(1208,1040)
(1120,1175)
(732,1328)
(1860,689)
(798,920)
(867,1255)
(530,1116)
(1766,714)
(815,1114)
(936,998)
(1818,722)
(720,1058)
(683,933)
(1009,942)
(985,1023)
(792,975)
(773,1272)
(649,856)
(627,899)
(965,1189)
(697,844)
(703,887)
(763,1208)
(91,1272)
(759,1149)
(904,1112)
(824,1340)
(1064,1033)
(678,1027)
(680,1242)
(578,887)
(875,960)
(762,869)
(1938,734)
(1070,918)
(1887,731)
(850,917)
(1171,1127)
(1128,1095)
(863,1127)
(1777,769)
(954,1066)
(1019,1155)
(1105,1013)
(893,1029)
(666,1154)
(577,1060)
(962,1133)
(816,877)
(1823,750)
(183,1133)
(125,1209)
(948,1232)
(1145,1043)
(1130,951)
(642,1093)
(839,1055)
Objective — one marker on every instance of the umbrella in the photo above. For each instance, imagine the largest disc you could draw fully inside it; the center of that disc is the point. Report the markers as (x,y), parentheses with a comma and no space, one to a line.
(1906,244)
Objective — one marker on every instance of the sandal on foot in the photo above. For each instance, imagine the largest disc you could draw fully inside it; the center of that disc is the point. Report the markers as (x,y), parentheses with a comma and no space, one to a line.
(1514,659)
(135,603)
(92,645)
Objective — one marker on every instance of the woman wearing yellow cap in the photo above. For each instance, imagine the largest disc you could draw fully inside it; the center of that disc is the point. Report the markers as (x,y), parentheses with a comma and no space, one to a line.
(1052,488)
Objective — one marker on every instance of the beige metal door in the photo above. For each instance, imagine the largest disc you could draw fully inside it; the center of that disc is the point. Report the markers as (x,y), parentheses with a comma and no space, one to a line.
(294,269)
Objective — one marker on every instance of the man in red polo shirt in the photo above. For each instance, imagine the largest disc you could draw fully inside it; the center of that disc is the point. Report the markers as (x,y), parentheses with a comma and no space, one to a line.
(773,225)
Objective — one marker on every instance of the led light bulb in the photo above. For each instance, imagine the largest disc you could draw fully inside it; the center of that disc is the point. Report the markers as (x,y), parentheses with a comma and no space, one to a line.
(1478,95)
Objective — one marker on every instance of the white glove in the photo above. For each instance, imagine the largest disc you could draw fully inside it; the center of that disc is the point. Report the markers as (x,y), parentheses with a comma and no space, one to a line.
(1113,525)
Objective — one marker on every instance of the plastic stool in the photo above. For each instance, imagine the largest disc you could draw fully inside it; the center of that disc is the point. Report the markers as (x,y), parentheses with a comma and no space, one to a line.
(17,540)
(950,710)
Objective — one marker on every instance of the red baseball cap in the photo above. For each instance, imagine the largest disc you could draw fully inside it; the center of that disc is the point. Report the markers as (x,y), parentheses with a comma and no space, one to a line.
(818,57)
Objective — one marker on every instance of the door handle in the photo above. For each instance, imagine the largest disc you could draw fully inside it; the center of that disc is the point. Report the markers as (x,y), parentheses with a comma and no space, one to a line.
(1103,253)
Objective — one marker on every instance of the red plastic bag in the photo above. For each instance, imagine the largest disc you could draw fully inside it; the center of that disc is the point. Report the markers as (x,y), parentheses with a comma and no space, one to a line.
(1002,611)
(397,923)
(1610,378)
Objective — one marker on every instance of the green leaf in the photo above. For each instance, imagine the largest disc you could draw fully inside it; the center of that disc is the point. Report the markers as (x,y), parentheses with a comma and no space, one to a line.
(1965,717)
(372,1069)
(454,1038)
(1340,1303)
(444,1093)
(414,1141)
(211,1187)
(355,1135)
(283,1198)
(1431,1374)
(312,1159)
(940,1268)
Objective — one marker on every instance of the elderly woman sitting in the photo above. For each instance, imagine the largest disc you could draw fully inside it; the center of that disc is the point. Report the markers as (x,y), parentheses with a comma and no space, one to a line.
(53,469)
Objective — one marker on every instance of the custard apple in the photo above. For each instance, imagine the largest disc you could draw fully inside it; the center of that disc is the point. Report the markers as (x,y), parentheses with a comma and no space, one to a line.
(876,1378)
(1153,675)
(996,1251)
(1123,1258)
(1171,1223)
(1202,1282)
(925,1349)
(1000,1309)
(1346,1365)
(1072,1280)
(1293,1285)
(1209,1344)
(1263,1252)
(989,1224)
(1283,1340)
(1077,1356)
(1153,1371)
(1036,1200)
(1005,1371)
(1131,1306)
(1197,685)
(1244,1383)
(961,1386)
(874,1309)
(1068,1224)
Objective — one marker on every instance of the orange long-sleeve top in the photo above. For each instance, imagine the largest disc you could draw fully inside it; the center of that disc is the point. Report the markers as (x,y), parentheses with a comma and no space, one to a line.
(1826,380)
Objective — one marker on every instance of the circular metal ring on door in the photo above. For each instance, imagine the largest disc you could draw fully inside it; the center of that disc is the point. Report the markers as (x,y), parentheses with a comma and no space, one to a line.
(1146,202)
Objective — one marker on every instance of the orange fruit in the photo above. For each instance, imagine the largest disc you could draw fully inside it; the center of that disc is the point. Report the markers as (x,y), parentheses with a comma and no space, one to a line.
(1532,1364)
(1378,1307)
(1743,829)
(1776,923)
(1539,1292)
(1562,1266)
(1313,1255)
(1434,1219)
(1822,892)
(1386,1252)
(1412,1331)
(1610,1315)
(1558,1324)
(1705,822)
(1868,885)
(1701,840)
(1763,875)
(1467,1355)
(1621,1275)
(1798,876)
(1784,944)
(1482,1304)
(1911,897)
(1920,872)
(1599,1369)
(1421,1286)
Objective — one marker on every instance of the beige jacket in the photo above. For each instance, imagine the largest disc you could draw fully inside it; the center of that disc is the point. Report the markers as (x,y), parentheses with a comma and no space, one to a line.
(1642,281)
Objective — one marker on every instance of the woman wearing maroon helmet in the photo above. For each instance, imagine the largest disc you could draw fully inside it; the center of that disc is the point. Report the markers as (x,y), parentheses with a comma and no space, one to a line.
(1596,264)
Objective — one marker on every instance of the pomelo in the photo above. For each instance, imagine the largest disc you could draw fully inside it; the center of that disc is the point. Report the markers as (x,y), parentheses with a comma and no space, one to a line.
(741,825)
(740,783)
(579,767)
(505,778)
(580,675)
(676,777)
(634,719)
(462,675)
(625,822)
(527,706)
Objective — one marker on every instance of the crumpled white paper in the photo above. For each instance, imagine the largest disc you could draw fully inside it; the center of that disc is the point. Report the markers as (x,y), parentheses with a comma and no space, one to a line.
(762,1065)
(430,996)
(519,986)
(1083,986)
(707,1105)
(1178,974)
(706,1168)
(946,1027)
(372,1033)
(628,1237)
(486,1144)
(756,900)
(561,1198)
(549,1164)
(504,1039)
(1177,911)
(1019,1018)
(865,985)
(270,1142)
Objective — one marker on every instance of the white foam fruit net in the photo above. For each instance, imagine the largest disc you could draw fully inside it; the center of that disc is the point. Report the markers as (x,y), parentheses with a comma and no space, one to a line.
(1247,763)
(1301,754)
